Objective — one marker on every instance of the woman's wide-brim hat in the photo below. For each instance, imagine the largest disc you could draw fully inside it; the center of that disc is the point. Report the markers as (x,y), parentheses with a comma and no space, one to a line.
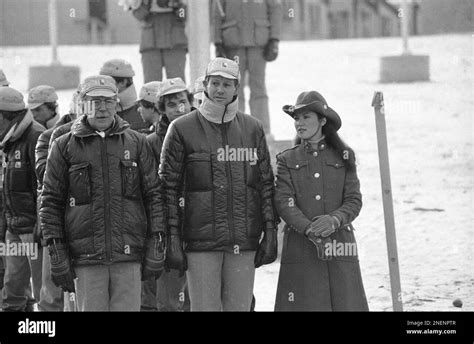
(313,101)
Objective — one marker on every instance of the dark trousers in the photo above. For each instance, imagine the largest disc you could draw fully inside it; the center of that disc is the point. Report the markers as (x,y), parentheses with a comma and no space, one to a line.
(172,60)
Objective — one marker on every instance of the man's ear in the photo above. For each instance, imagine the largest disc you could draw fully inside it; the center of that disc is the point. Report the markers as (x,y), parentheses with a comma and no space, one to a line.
(205,84)
(323,121)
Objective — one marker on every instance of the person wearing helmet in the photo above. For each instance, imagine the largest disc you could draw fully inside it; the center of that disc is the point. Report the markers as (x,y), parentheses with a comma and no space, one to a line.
(43,103)
(122,72)
(170,291)
(18,141)
(148,105)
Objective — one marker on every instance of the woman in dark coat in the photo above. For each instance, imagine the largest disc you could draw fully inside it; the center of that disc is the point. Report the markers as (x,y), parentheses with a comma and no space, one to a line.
(318,196)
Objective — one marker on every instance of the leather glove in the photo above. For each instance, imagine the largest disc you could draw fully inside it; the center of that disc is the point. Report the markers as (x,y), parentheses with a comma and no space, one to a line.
(270,51)
(62,273)
(322,226)
(175,257)
(220,51)
(154,262)
(268,249)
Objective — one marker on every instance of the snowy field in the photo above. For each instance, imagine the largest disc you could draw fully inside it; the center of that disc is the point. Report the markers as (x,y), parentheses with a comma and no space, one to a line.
(430,137)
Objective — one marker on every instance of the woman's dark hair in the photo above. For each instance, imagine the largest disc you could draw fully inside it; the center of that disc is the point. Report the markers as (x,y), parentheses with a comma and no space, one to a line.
(161,102)
(335,142)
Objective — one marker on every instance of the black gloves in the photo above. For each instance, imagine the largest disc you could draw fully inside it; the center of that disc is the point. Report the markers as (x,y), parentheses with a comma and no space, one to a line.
(270,52)
(62,273)
(220,51)
(318,233)
(268,249)
(322,226)
(175,257)
(154,262)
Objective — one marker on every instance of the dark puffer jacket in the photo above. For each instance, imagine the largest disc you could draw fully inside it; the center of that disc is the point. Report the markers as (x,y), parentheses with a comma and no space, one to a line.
(42,148)
(227,203)
(20,184)
(101,195)
(156,138)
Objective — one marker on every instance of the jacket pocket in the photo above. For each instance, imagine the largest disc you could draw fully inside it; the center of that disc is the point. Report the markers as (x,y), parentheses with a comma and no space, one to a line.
(198,176)
(19,177)
(230,33)
(299,174)
(130,179)
(262,31)
(80,183)
(334,174)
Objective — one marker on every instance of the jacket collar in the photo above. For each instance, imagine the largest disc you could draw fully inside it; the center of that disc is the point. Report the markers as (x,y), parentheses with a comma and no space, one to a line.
(127,97)
(17,129)
(214,112)
(313,146)
(81,127)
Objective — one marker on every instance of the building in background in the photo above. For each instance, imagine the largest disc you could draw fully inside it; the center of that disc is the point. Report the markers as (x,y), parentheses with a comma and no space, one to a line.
(24,22)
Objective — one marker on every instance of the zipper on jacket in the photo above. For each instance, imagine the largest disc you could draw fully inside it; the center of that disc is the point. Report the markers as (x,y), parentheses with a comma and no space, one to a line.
(230,196)
(105,177)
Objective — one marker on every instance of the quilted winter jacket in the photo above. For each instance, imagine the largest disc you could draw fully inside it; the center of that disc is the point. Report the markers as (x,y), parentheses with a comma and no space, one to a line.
(101,194)
(42,148)
(227,202)
(19,185)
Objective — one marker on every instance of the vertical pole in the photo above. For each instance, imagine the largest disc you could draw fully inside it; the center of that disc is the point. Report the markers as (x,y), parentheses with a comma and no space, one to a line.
(53,30)
(199,37)
(405,26)
(390,234)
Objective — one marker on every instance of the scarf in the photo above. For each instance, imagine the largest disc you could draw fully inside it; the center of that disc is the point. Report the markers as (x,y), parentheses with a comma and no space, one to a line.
(214,112)
(128,98)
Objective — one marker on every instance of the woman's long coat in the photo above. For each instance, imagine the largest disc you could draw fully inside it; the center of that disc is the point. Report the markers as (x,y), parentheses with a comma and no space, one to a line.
(312,183)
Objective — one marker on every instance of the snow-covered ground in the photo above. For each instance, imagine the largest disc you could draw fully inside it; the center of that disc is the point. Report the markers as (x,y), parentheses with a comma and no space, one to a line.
(430,137)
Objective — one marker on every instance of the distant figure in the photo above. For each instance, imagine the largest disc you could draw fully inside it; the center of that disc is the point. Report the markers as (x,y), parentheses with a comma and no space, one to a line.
(163,42)
(249,30)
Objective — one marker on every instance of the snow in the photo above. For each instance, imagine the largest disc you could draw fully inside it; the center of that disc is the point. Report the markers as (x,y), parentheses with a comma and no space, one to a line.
(430,137)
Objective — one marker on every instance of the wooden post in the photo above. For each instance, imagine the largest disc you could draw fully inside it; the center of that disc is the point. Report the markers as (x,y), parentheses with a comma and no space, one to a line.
(199,38)
(390,234)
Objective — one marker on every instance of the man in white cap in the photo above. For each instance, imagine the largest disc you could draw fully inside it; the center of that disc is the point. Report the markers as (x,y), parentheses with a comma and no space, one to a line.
(42,101)
(148,104)
(217,160)
(18,141)
(170,292)
(101,208)
(122,72)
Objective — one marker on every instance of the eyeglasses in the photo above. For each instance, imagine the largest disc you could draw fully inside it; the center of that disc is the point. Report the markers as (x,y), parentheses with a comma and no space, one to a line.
(109,103)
